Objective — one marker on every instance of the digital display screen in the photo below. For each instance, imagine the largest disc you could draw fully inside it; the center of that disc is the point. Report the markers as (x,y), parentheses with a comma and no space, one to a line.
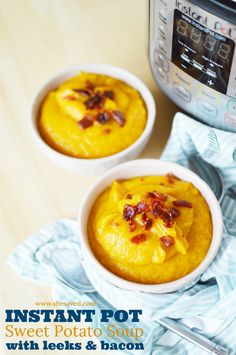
(202,53)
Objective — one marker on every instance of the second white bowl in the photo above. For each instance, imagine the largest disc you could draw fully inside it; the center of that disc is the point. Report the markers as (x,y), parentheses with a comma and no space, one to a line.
(146,167)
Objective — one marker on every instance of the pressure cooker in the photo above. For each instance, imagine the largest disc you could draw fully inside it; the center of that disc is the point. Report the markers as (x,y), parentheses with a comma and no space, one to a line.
(193,57)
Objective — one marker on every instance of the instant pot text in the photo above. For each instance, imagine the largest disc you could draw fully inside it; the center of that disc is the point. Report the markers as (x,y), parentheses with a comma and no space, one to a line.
(40,329)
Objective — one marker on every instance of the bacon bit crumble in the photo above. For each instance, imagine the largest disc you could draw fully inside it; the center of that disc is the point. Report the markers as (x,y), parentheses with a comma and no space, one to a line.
(129,212)
(155,207)
(155,202)
(168,241)
(182,203)
(132,226)
(118,117)
(94,101)
(147,222)
(157,195)
(151,195)
(170,178)
(89,85)
(107,130)
(174,212)
(86,122)
(165,215)
(83,92)
(70,98)
(103,117)
(161,196)
(139,238)
(109,94)
(141,207)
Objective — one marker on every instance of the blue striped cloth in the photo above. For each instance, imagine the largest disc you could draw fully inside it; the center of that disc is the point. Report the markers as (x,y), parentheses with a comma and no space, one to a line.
(208,307)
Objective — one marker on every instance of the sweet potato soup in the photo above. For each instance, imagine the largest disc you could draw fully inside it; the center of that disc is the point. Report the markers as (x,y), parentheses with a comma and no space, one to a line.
(92,116)
(152,229)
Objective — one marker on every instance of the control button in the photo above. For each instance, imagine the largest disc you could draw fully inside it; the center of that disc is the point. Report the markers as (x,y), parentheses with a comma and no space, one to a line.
(162,46)
(161,60)
(162,32)
(162,17)
(210,82)
(162,74)
(184,79)
(206,107)
(231,106)
(183,93)
(208,95)
(164,2)
(230,120)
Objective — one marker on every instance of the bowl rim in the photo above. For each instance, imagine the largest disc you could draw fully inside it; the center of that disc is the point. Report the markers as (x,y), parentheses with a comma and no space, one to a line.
(213,204)
(103,69)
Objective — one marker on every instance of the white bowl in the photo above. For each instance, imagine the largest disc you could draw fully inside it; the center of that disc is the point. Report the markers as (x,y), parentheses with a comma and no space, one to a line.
(99,164)
(145,167)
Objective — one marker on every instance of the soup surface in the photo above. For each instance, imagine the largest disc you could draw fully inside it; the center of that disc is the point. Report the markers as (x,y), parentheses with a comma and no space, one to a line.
(152,229)
(92,116)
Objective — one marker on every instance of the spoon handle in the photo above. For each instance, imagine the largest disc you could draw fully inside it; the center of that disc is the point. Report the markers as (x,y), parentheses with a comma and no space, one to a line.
(195,338)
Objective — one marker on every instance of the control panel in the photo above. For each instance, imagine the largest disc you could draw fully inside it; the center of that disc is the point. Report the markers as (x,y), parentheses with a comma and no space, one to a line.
(193,59)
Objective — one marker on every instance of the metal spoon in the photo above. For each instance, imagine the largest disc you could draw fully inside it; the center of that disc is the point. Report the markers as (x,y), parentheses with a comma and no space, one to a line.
(70,271)
(213,178)
(68,267)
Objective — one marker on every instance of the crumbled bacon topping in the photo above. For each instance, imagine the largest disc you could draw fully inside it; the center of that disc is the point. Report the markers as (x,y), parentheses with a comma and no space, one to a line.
(118,117)
(174,212)
(86,122)
(155,202)
(109,94)
(167,240)
(147,222)
(154,207)
(94,101)
(132,226)
(89,85)
(170,178)
(157,195)
(139,238)
(142,206)
(83,92)
(182,203)
(103,117)
(107,130)
(70,97)
(129,212)
(151,195)
(164,214)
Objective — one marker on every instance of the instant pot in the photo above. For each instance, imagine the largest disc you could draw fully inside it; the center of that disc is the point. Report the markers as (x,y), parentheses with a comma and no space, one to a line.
(193,57)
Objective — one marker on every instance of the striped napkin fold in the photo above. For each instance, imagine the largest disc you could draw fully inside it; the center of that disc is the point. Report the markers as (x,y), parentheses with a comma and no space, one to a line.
(208,307)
